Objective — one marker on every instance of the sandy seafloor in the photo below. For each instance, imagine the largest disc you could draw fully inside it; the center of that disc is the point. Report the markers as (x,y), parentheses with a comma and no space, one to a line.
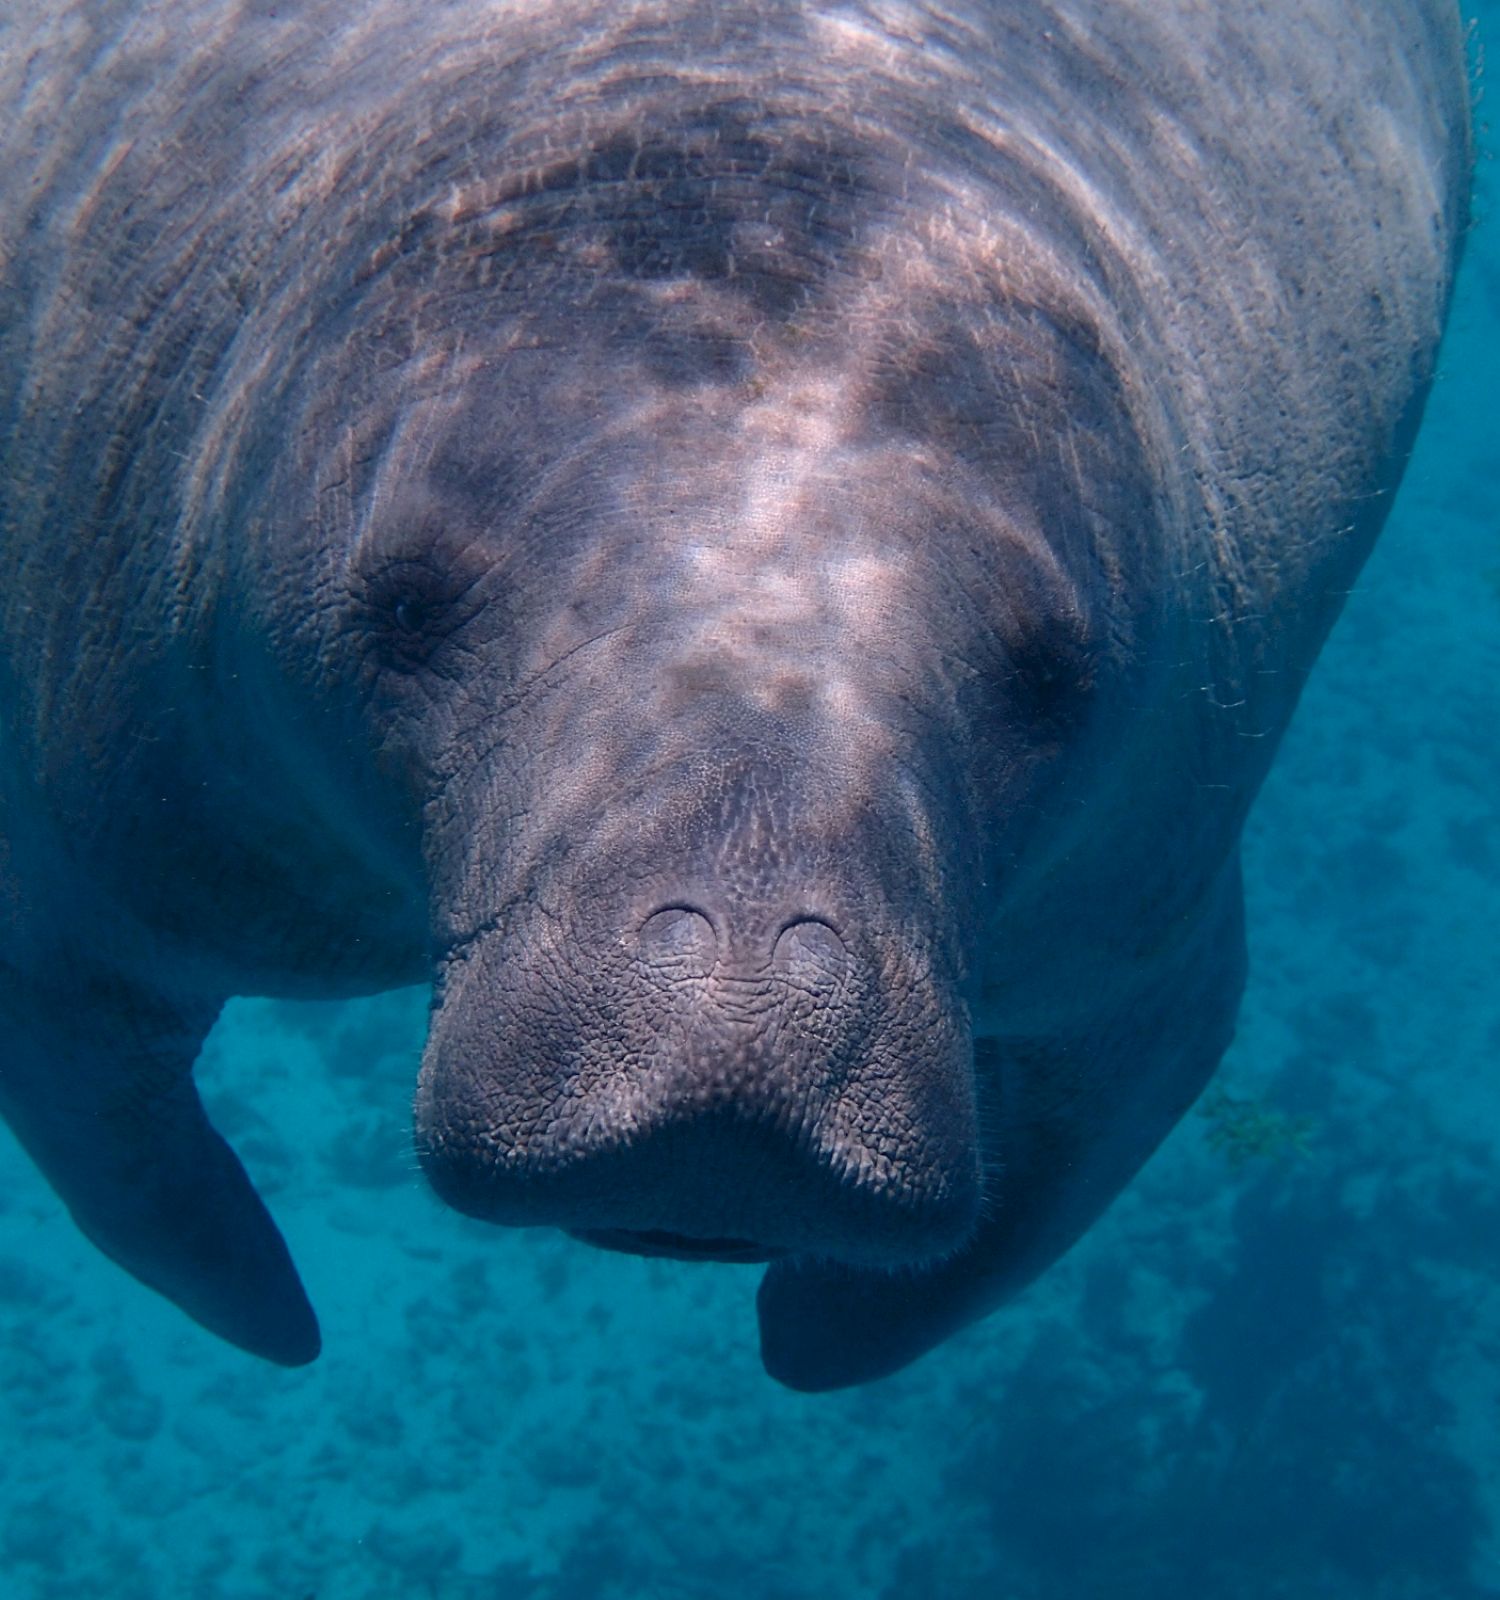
(1276,1378)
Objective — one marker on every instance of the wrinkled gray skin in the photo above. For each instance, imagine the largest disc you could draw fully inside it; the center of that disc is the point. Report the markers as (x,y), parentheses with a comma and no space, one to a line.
(765,546)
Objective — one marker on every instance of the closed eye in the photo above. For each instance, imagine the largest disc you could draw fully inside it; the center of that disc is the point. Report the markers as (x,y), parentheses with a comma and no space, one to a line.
(413,605)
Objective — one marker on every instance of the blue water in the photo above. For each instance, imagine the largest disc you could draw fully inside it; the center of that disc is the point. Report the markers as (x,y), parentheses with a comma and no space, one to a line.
(1274,1370)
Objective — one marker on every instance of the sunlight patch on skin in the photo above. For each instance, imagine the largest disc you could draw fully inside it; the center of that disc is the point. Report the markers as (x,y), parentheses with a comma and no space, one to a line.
(866,42)
(768,581)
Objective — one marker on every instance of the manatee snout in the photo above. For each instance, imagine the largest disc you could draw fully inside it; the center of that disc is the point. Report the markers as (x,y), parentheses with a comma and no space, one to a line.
(727,1042)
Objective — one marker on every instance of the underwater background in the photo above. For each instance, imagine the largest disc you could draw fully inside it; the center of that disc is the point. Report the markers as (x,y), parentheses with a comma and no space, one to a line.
(1273,1370)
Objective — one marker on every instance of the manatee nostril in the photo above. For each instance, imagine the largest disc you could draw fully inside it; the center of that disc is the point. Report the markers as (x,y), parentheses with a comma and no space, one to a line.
(810,953)
(679,941)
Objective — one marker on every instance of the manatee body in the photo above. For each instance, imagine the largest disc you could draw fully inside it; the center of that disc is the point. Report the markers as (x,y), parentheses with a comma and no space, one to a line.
(765,547)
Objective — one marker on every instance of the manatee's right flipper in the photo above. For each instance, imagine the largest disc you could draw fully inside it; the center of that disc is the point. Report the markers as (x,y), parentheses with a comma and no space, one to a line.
(1069,1120)
(96,1081)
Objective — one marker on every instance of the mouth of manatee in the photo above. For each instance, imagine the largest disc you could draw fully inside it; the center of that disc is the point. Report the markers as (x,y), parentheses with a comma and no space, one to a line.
(750,1119)
(732,1033)
(677,1246)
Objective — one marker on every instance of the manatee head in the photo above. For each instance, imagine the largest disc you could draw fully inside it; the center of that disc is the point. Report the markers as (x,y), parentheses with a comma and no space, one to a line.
(729,587)
(773,699)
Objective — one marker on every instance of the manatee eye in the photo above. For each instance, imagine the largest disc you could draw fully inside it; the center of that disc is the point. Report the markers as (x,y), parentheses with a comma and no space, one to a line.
(415,629)
(412,605)
(1050,678)
(406,617)
(1044,682)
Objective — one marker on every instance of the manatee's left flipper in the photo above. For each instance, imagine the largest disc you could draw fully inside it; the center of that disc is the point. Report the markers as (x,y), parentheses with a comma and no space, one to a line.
(828,1327)
(96,1081)
(1069,1121)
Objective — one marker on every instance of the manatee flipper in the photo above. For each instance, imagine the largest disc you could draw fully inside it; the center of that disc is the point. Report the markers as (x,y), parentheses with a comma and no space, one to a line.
(98,1087)
(1069,1122)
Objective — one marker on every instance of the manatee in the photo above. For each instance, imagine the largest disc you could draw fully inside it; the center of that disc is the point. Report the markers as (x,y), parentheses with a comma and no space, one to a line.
(764,548)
